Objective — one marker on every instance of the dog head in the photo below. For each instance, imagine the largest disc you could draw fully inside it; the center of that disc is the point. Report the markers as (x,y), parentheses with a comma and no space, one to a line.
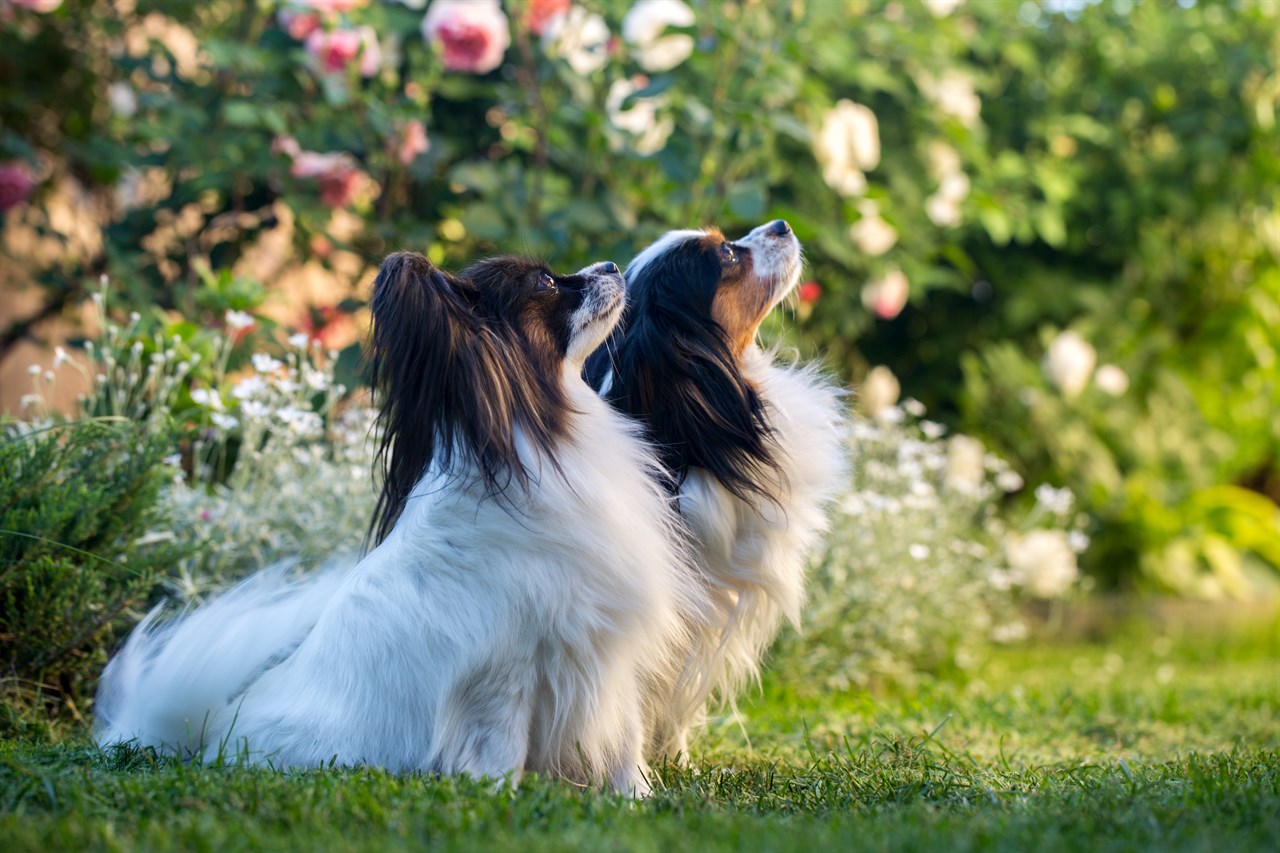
(466,363)
(695,303)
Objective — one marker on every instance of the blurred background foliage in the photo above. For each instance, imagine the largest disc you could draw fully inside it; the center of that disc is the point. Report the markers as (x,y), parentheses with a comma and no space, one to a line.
(1057,223)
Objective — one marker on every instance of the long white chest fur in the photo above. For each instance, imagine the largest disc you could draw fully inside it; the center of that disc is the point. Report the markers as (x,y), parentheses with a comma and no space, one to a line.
(751,558)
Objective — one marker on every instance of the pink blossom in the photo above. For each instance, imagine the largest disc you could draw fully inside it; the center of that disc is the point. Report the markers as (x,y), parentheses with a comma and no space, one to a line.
(339,177)
(411,141)
(286,145)
(471,35)
(540,12)
(333,51)
(298,24)
(16,184)
(41,6)
(332,7)
(887,296)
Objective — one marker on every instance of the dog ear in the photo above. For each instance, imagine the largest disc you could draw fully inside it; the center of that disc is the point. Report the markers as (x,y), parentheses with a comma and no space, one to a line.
(440,384)
(674,369)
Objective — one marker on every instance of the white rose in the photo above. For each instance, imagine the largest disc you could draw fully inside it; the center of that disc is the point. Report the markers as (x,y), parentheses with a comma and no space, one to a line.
(847,146)
(942,8)
(640,120)
(1069,363)
(879,391)
(1043,562)
(966,467)
(870,233)
(580,37)
(1111,380)
(642,28)
(953,95)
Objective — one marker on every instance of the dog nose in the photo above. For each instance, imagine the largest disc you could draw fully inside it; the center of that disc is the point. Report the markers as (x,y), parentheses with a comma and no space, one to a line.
(779,227)
(609,268)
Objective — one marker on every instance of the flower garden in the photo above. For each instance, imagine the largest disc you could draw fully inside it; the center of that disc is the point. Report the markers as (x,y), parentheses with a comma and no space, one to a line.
(1042,250)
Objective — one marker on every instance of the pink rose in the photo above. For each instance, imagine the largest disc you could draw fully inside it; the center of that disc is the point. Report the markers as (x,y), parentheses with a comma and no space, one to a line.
(887,296)
(332,7)
(298,25)
(16,184)
(540,12)
(412,141)
(340,179)
(339,188)
(471,35)
(41,6)
(333,51)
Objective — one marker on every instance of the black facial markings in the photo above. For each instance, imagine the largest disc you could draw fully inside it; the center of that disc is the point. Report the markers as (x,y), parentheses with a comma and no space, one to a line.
(674,368)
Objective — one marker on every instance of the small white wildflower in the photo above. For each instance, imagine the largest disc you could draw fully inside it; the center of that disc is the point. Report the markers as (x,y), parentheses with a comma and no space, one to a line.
(1056,501)
(238,320)
(913,407)
(1009,481)
(253,409)
(918,551)
(29,400)
(60,357)
(1010,633)
(317,380)
(1000,580)
(34,370)
(299,340)
(207,398)
(48,376)
(134,317)
(1078,541)
(264,363)
(931,429)
(249,387)
(173,460)
(225,422)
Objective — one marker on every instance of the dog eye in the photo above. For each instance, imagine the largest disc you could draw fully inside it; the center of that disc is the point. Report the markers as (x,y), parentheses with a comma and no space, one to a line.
(546,282)
(727,255)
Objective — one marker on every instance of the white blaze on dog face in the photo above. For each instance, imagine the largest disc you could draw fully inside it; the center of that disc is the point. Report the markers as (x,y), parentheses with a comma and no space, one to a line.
(603,297)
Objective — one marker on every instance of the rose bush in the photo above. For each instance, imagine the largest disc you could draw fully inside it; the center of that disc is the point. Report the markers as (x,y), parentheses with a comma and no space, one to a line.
(969,180)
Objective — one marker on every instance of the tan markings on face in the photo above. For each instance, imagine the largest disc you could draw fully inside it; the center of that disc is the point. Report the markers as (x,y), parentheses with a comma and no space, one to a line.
(742,301)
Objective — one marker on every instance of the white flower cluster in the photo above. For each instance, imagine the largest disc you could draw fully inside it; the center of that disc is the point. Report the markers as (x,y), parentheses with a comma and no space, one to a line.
(921,570)
(299,482)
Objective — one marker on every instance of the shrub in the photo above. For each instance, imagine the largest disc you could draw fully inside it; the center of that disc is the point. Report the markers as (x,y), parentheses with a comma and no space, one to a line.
(83,540)
(922,570)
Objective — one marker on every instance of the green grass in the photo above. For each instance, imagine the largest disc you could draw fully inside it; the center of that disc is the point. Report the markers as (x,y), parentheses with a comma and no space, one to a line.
(1138,744)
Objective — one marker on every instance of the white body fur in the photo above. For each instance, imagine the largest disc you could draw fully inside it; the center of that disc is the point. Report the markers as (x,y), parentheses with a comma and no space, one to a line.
(752,557)
(476,638)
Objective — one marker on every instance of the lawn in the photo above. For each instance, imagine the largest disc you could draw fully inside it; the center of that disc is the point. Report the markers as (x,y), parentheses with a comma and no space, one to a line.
(1160,743)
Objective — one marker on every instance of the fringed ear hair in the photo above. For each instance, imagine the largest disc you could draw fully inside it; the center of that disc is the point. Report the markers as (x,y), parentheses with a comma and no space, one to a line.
(675,369)
(420,322)
(440,382)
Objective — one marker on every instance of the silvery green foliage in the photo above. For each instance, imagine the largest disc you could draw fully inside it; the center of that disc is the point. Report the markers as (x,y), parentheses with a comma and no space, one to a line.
(278,460)
(921,570)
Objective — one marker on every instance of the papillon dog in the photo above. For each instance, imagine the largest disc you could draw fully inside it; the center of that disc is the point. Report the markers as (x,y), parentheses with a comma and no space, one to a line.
(528,585)
(752,444)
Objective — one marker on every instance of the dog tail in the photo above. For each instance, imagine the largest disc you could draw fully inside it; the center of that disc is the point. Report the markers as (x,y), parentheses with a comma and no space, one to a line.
(176,682)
